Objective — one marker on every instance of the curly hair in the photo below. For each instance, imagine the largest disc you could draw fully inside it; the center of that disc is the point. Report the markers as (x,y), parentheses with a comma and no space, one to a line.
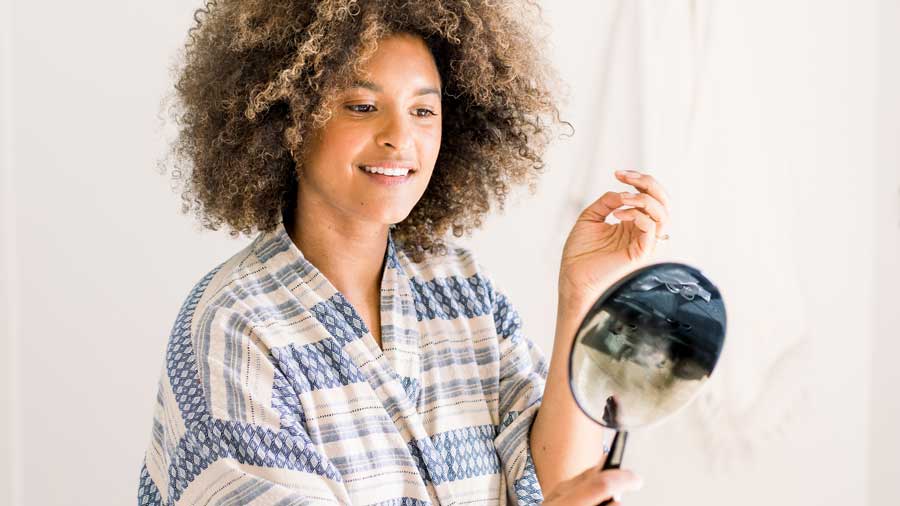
(257,76)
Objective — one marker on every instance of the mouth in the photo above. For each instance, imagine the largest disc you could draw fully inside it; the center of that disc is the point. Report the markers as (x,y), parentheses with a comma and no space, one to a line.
(388,173)
(387,170)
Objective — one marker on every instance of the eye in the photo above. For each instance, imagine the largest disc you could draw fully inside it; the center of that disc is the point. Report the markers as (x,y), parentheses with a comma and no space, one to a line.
(353,107)
(428,112)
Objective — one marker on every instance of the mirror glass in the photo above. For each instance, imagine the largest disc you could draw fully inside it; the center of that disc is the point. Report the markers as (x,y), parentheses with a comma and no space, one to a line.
(647,346)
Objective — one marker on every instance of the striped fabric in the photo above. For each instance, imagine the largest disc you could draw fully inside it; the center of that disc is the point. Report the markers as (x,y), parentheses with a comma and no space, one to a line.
(274,391)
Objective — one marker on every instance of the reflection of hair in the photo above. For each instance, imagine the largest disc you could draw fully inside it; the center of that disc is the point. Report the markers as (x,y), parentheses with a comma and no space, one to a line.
(258,76)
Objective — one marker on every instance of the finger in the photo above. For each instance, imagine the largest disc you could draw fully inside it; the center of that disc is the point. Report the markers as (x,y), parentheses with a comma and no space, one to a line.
(641,220)
(651,206)
(646,184)
(643,223)
(603,206)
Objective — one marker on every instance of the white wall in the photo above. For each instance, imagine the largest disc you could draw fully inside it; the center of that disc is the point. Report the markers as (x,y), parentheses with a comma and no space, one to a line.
(10,475)
(789,147)
(884,445)
(102,255)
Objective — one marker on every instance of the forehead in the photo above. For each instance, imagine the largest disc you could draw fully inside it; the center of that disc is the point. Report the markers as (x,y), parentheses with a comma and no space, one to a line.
(399,60)
(377,88)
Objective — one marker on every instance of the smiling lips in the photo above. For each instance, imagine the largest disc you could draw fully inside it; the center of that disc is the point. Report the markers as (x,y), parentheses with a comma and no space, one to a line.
(389,172)
(389,168)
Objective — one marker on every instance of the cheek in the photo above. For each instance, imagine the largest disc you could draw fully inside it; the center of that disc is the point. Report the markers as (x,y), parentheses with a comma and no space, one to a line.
(431,145)
(340,144)
(339,135)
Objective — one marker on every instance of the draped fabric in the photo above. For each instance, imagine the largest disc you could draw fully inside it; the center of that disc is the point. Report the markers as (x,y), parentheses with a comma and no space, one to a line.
(274,391)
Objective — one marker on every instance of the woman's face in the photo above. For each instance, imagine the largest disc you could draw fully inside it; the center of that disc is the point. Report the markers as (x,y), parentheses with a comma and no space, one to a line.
(390,119)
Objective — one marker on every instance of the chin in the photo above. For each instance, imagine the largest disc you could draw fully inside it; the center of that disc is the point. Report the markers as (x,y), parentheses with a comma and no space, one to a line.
(392,216)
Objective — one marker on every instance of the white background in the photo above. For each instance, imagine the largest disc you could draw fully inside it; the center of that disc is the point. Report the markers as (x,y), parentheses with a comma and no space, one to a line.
(774,125)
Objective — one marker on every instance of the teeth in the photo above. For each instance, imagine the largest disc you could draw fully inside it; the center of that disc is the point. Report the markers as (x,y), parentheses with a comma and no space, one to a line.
(385,171)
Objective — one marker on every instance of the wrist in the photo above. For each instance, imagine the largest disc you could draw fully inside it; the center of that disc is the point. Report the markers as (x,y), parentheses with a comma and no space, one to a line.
(569,304)
(570,311)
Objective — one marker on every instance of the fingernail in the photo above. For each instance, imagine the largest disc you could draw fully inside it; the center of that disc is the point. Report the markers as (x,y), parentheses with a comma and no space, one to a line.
(630,173)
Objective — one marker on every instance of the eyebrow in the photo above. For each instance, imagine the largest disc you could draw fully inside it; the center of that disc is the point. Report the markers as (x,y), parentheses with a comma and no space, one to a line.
(428,90)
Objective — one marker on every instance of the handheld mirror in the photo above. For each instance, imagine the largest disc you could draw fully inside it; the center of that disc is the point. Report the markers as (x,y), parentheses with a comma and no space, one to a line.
(645,349)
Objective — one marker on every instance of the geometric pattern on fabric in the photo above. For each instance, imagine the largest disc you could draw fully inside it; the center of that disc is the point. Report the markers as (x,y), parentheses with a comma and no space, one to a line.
(448,298)
(148,494)
(285,400)
(320,365)
(528,490)
(259,446)
(457,454)
(468,452)
(181,363)
(246,443)
(507,319)
(340,319)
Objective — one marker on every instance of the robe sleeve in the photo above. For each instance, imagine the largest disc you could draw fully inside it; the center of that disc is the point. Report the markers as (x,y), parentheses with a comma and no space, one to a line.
(199,456)
(523,372)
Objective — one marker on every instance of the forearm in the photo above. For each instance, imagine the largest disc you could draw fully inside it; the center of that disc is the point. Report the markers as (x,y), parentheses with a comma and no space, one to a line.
(564,441)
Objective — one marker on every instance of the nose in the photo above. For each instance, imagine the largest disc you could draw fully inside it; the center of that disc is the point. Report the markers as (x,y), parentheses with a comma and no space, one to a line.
(395,131)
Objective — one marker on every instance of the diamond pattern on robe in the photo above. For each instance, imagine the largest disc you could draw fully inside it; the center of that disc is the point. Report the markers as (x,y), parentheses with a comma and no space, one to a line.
(256,445)
(340,319)
(287,403)
(468,452)
(528,489)
(450,297)
(148,494)
(246,443)
(457,454)
(412,387)
(315,366)
(427,460)
(180,363)
(507,320)
(188,460)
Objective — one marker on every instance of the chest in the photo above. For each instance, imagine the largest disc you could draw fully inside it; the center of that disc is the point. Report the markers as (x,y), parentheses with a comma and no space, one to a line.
(427,433)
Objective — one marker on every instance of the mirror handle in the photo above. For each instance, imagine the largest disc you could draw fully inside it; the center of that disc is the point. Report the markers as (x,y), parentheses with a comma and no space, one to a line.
(614,458)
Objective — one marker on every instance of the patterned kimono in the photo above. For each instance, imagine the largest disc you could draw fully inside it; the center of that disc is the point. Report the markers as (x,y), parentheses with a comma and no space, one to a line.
(274,391)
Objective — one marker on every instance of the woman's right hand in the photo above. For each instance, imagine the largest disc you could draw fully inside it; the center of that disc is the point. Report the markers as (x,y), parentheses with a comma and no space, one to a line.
(592,487)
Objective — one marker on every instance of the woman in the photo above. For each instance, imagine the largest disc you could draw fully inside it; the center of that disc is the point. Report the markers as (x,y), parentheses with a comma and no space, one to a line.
(349,355)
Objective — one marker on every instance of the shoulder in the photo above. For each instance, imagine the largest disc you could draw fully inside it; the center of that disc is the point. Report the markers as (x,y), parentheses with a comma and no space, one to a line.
(220,287)
(463,259)
(214,340)
(452,284)
(458,261)
(226,297)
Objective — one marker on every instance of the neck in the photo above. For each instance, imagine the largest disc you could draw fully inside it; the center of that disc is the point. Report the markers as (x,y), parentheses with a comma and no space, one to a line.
(349,252)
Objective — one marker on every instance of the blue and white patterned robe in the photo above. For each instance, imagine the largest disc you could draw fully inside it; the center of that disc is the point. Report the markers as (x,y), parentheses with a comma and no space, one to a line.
(274,391)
